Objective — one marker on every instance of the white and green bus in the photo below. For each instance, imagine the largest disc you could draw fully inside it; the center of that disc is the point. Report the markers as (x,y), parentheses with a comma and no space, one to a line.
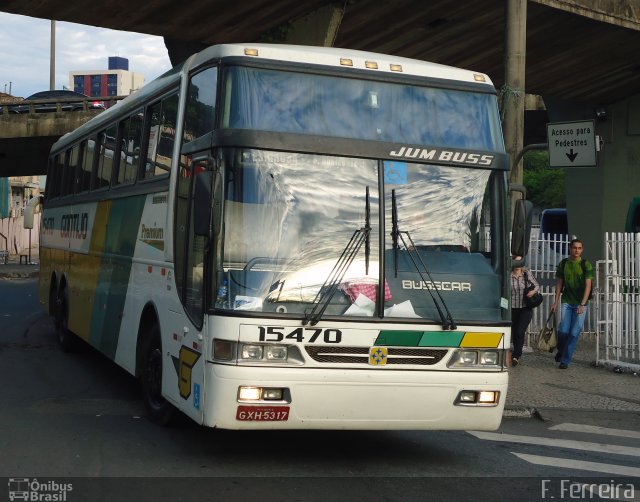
(274,236)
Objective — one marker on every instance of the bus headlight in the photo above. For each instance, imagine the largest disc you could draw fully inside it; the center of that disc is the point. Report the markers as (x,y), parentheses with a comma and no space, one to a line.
(476,358)
(254,352)
(225,351)
(277,352)
(468,357)
(490,357)
(259,352)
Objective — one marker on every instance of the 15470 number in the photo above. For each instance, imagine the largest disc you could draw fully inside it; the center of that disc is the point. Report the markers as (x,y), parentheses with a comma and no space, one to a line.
(309,335)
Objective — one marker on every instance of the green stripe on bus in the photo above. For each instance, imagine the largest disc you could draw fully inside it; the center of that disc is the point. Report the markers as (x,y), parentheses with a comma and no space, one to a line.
(398,338)
(441,339)
(419,338)
(115,269)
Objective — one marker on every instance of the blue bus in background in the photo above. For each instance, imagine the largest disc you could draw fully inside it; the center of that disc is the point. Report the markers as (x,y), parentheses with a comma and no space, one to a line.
(553,238)
(633,216)
(554,222)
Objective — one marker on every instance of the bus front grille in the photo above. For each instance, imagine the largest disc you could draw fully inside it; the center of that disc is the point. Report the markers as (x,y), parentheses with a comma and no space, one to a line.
(360,355)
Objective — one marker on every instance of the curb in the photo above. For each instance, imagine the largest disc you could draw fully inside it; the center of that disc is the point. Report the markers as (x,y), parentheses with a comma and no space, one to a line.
(12,274)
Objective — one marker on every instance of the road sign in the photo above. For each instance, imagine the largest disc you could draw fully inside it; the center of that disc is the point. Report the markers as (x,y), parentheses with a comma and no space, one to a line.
(572,144)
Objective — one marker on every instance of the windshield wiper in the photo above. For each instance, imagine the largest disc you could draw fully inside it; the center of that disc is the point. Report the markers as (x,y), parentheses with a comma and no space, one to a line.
(367,228)
(333,281)
(414,255)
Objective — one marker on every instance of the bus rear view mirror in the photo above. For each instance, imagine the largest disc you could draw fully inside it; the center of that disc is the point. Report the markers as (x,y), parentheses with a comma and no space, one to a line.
(217,203)
(29,212)
(202,203)
(521,228)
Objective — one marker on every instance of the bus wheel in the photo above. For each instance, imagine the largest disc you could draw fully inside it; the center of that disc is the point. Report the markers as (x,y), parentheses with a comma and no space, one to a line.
(159,410)
(65,337)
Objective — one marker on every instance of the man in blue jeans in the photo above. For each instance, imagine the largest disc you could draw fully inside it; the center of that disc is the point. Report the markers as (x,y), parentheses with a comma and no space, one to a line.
(573,281)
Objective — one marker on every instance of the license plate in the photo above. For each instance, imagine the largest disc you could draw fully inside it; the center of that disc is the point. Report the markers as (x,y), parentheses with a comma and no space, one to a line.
(262,413)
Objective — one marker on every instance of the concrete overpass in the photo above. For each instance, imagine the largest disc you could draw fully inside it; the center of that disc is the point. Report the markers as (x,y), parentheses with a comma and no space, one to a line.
(582,50)
(27,138)
(579,55)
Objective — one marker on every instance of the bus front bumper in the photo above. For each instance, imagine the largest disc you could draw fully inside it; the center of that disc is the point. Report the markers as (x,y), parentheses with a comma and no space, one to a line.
(352,399)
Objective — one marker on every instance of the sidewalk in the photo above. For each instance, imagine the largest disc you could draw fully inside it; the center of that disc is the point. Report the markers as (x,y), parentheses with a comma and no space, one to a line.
(536,386)
(16,269)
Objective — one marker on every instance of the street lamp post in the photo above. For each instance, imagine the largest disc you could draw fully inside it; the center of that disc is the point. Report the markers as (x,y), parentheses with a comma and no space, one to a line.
(52,58)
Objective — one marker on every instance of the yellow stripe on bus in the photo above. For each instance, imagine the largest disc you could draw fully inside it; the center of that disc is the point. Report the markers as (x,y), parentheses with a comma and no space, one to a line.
(474,339)
(85,269)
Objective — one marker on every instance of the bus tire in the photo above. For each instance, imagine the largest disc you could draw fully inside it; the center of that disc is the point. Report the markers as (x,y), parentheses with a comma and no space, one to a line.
(53,297)
(66,338)
(159,410)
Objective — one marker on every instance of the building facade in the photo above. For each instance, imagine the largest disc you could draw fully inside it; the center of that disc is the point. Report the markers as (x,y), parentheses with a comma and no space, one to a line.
(116,81)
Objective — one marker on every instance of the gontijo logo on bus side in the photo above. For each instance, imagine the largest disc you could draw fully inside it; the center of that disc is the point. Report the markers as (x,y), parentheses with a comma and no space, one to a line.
(69,228)
(72,225)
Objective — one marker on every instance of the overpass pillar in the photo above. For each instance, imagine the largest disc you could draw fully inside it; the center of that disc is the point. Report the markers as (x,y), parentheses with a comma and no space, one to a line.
(513,92)
(319,28)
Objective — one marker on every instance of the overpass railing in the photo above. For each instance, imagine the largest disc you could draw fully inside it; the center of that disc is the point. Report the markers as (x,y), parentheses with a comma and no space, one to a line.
(108,101)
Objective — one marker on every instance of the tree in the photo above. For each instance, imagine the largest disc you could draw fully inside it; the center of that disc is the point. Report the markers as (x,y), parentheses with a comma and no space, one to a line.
(545,186)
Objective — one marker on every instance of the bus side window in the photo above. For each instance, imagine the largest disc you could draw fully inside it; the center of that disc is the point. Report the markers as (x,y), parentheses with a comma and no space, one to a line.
(83,171)
(130,148)
(70,175)
(201,104)
(161,135)
(104,164)
(87,165)
(77,172)
(54,180)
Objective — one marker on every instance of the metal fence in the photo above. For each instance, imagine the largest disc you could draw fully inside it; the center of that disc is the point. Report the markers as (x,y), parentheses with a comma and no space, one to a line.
(545,253)
(613,317)
(618,301)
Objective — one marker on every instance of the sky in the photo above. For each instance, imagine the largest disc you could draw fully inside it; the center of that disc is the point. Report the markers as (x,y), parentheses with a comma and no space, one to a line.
(25,49)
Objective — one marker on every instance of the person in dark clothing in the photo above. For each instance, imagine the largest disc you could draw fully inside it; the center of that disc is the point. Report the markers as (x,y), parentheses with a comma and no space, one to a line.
(521,315)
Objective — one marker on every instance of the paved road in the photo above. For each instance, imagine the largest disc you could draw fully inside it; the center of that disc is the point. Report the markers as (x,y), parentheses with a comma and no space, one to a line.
(68,415)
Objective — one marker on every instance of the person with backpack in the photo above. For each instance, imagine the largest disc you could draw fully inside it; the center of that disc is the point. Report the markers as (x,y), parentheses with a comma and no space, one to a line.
(574,278)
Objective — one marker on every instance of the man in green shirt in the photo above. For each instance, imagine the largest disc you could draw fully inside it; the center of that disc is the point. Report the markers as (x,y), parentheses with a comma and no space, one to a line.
(573,281)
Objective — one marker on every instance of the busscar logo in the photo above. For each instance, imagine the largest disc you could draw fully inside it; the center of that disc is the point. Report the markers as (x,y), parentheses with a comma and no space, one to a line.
(439,285)
(439,155)
(38,491)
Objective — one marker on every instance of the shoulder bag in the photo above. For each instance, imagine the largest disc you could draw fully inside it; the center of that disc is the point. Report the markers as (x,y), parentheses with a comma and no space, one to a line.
(530,301)
(547,340)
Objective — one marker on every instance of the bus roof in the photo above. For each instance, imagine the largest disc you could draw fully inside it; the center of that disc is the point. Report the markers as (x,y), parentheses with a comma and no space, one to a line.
(323,56)
(334,56)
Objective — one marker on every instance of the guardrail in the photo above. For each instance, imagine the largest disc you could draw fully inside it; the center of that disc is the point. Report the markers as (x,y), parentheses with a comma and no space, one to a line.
(59,102)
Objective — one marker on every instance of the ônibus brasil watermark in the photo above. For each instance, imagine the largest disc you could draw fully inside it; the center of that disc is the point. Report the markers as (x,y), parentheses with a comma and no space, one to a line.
(33,490)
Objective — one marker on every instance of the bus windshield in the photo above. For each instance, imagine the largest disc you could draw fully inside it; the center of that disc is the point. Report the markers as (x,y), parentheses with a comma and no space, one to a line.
(289,218)
(322,105)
